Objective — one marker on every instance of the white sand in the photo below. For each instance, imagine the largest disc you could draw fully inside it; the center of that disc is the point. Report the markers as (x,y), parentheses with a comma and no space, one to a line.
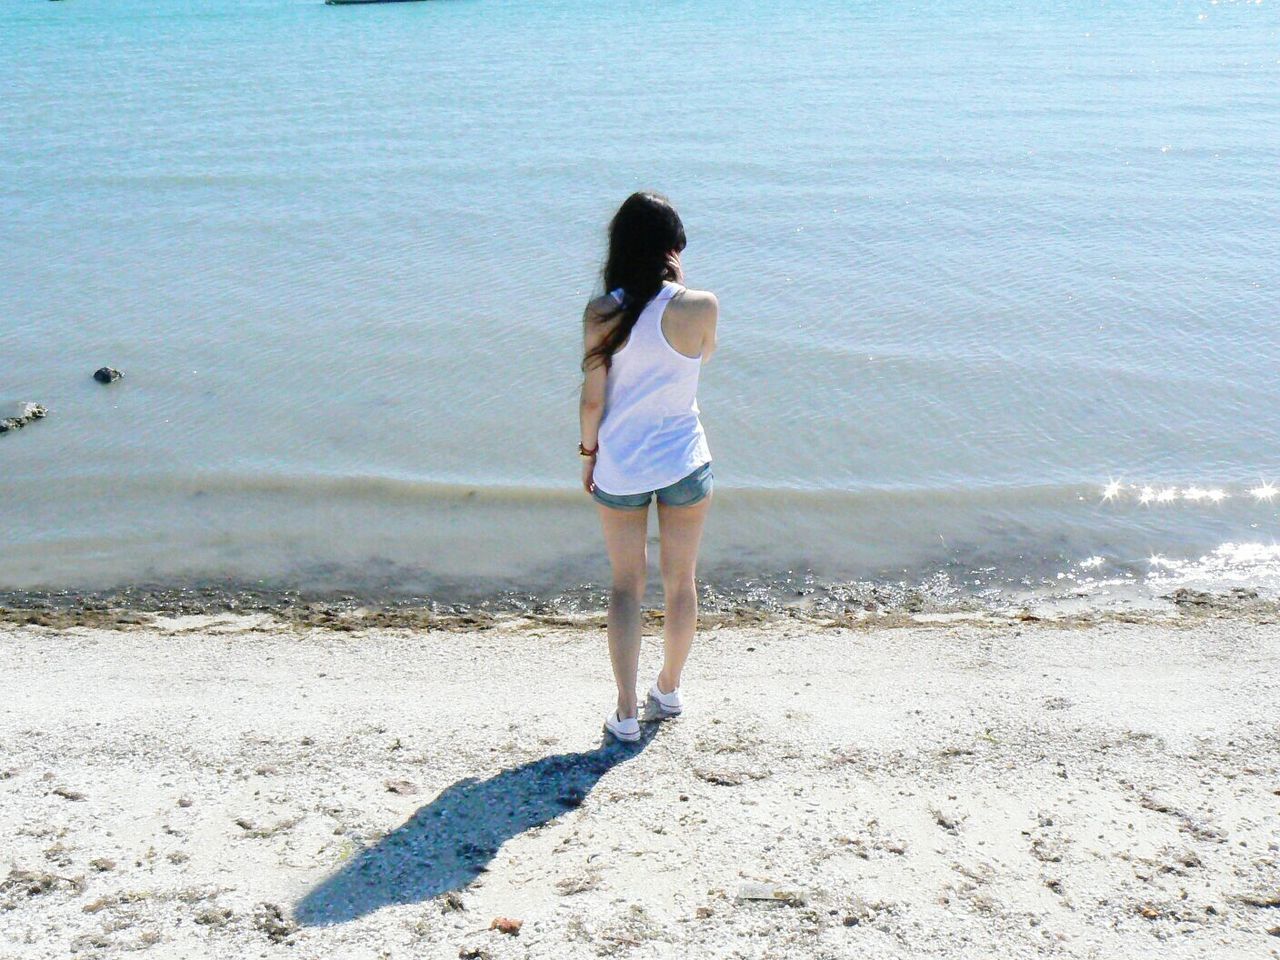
(974,788)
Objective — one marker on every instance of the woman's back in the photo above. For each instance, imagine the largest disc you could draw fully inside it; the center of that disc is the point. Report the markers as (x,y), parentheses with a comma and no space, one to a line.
(651,435)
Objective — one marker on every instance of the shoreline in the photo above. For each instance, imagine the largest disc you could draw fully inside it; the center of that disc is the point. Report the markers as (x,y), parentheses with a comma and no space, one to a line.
(918,785)
(860,604)
(477,545)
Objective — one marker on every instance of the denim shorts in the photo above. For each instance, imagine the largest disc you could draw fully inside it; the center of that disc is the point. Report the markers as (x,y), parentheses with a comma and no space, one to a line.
(694,488)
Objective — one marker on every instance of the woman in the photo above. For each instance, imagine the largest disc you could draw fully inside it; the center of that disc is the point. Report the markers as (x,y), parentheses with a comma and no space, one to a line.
(644,343)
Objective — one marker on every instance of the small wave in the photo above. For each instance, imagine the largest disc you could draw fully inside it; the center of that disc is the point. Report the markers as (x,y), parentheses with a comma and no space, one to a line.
(1256,565)
(394,489)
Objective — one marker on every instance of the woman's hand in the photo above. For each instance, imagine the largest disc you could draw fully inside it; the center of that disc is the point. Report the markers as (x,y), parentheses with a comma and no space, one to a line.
(588,474)
(675,267)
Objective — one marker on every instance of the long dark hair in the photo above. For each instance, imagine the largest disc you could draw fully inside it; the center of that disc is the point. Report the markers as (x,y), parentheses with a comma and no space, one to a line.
(644,232)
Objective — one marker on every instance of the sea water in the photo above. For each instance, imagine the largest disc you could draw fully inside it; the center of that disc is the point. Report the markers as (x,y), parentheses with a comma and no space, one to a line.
(998,285)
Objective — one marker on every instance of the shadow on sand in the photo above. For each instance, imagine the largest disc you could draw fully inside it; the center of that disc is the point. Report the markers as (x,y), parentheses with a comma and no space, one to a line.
(449,842)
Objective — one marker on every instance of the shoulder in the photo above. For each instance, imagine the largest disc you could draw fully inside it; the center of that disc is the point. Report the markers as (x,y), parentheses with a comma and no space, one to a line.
(600,309)
(697,304)
(697,299)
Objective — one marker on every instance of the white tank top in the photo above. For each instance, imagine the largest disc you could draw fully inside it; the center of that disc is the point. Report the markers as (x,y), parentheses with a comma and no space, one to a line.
(650,436)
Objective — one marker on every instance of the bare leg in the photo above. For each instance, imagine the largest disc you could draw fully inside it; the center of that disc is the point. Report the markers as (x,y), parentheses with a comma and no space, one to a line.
(625,536)
(681,531)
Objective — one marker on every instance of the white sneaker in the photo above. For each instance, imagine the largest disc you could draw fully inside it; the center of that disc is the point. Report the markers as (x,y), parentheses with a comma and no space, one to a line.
(669,704)
(628,731)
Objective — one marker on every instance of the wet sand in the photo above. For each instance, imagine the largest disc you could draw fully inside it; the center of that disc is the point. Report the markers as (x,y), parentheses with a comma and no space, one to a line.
(336,785)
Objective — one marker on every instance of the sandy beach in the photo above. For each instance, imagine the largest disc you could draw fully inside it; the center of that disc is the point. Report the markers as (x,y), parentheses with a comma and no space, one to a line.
(966,785)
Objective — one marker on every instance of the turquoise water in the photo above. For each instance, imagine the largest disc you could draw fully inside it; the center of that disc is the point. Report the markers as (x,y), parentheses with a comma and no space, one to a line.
(975,261)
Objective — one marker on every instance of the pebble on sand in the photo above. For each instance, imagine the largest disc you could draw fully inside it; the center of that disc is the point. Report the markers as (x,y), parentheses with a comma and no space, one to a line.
(270,919)
(507,925)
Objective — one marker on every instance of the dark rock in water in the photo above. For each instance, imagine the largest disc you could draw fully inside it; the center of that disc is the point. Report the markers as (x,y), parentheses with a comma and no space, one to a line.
(19,415)
(107,374)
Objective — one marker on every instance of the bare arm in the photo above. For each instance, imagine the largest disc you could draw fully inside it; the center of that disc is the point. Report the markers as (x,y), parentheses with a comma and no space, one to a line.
(591,402)
(711,313)
(591,399)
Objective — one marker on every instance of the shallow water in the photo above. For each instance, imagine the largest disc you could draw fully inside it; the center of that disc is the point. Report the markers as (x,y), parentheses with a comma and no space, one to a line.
(975,263)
